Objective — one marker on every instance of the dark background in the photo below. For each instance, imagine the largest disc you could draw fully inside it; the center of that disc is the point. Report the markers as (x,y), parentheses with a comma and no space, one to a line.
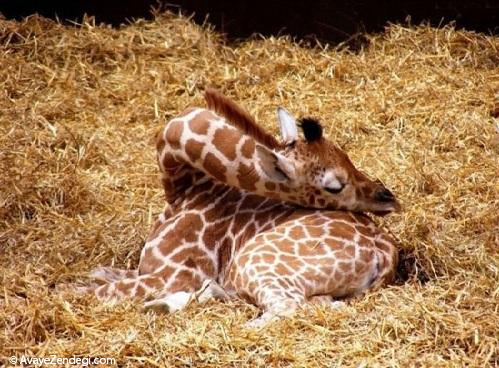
(332,21)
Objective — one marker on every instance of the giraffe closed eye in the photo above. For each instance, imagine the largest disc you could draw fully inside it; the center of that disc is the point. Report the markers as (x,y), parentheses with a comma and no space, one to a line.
(335,190)
(332,183)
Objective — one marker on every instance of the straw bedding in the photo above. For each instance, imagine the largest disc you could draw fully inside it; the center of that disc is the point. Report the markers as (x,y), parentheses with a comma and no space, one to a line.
(79,108)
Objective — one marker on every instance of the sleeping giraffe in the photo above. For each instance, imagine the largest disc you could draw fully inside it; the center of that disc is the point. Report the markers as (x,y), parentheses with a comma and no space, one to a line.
(256,218)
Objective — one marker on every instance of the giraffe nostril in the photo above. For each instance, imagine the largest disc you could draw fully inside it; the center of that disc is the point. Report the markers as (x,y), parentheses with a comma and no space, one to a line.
(384,195)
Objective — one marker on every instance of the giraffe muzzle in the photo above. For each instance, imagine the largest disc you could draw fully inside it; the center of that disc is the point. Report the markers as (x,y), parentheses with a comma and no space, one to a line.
(385,202)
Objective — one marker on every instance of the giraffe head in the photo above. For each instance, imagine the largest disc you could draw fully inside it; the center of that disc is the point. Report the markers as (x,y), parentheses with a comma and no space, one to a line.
(309,170)
(319,173)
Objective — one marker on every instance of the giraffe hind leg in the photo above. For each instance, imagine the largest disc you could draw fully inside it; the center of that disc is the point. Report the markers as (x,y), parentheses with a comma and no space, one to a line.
(98,276)
(104,275)
(142,286)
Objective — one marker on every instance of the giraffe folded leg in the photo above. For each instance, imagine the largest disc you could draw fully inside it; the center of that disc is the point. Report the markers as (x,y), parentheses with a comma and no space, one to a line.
(98,277)
(280,308)
(104,275)
(288,307)
(135,287)
(150,285)
(76,288)
(276,302)
(173,302)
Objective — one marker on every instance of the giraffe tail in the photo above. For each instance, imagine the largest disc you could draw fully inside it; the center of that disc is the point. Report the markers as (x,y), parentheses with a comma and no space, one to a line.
(105,275)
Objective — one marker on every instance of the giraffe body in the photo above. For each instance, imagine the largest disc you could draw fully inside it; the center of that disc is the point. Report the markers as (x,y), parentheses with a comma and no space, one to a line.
(236,219)
(313,254)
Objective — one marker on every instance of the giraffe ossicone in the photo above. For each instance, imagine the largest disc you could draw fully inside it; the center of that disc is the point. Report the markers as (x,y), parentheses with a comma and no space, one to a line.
(279,224)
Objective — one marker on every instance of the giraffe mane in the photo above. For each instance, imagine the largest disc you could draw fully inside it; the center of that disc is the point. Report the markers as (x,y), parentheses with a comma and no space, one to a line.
(238,117)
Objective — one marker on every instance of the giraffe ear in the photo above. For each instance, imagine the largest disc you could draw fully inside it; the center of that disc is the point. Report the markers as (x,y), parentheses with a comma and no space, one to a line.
(287,124)
(274,165)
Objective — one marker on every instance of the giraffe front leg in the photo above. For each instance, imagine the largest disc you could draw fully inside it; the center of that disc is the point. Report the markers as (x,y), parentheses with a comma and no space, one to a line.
(276,301)
(173,302)
(279,308)
(287,307)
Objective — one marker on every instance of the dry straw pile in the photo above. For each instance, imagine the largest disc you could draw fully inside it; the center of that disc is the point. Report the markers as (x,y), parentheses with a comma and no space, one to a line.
(79,109)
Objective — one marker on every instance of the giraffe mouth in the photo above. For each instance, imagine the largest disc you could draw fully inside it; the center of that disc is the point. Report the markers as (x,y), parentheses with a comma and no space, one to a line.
(381,213)
(386,208)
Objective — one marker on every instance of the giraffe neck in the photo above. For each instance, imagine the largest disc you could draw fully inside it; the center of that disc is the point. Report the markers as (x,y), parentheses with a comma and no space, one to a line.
(200,146)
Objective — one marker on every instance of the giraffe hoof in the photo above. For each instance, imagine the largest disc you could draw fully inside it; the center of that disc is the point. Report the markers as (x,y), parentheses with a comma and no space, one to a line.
(337,304)
(257,324)
(170,303)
